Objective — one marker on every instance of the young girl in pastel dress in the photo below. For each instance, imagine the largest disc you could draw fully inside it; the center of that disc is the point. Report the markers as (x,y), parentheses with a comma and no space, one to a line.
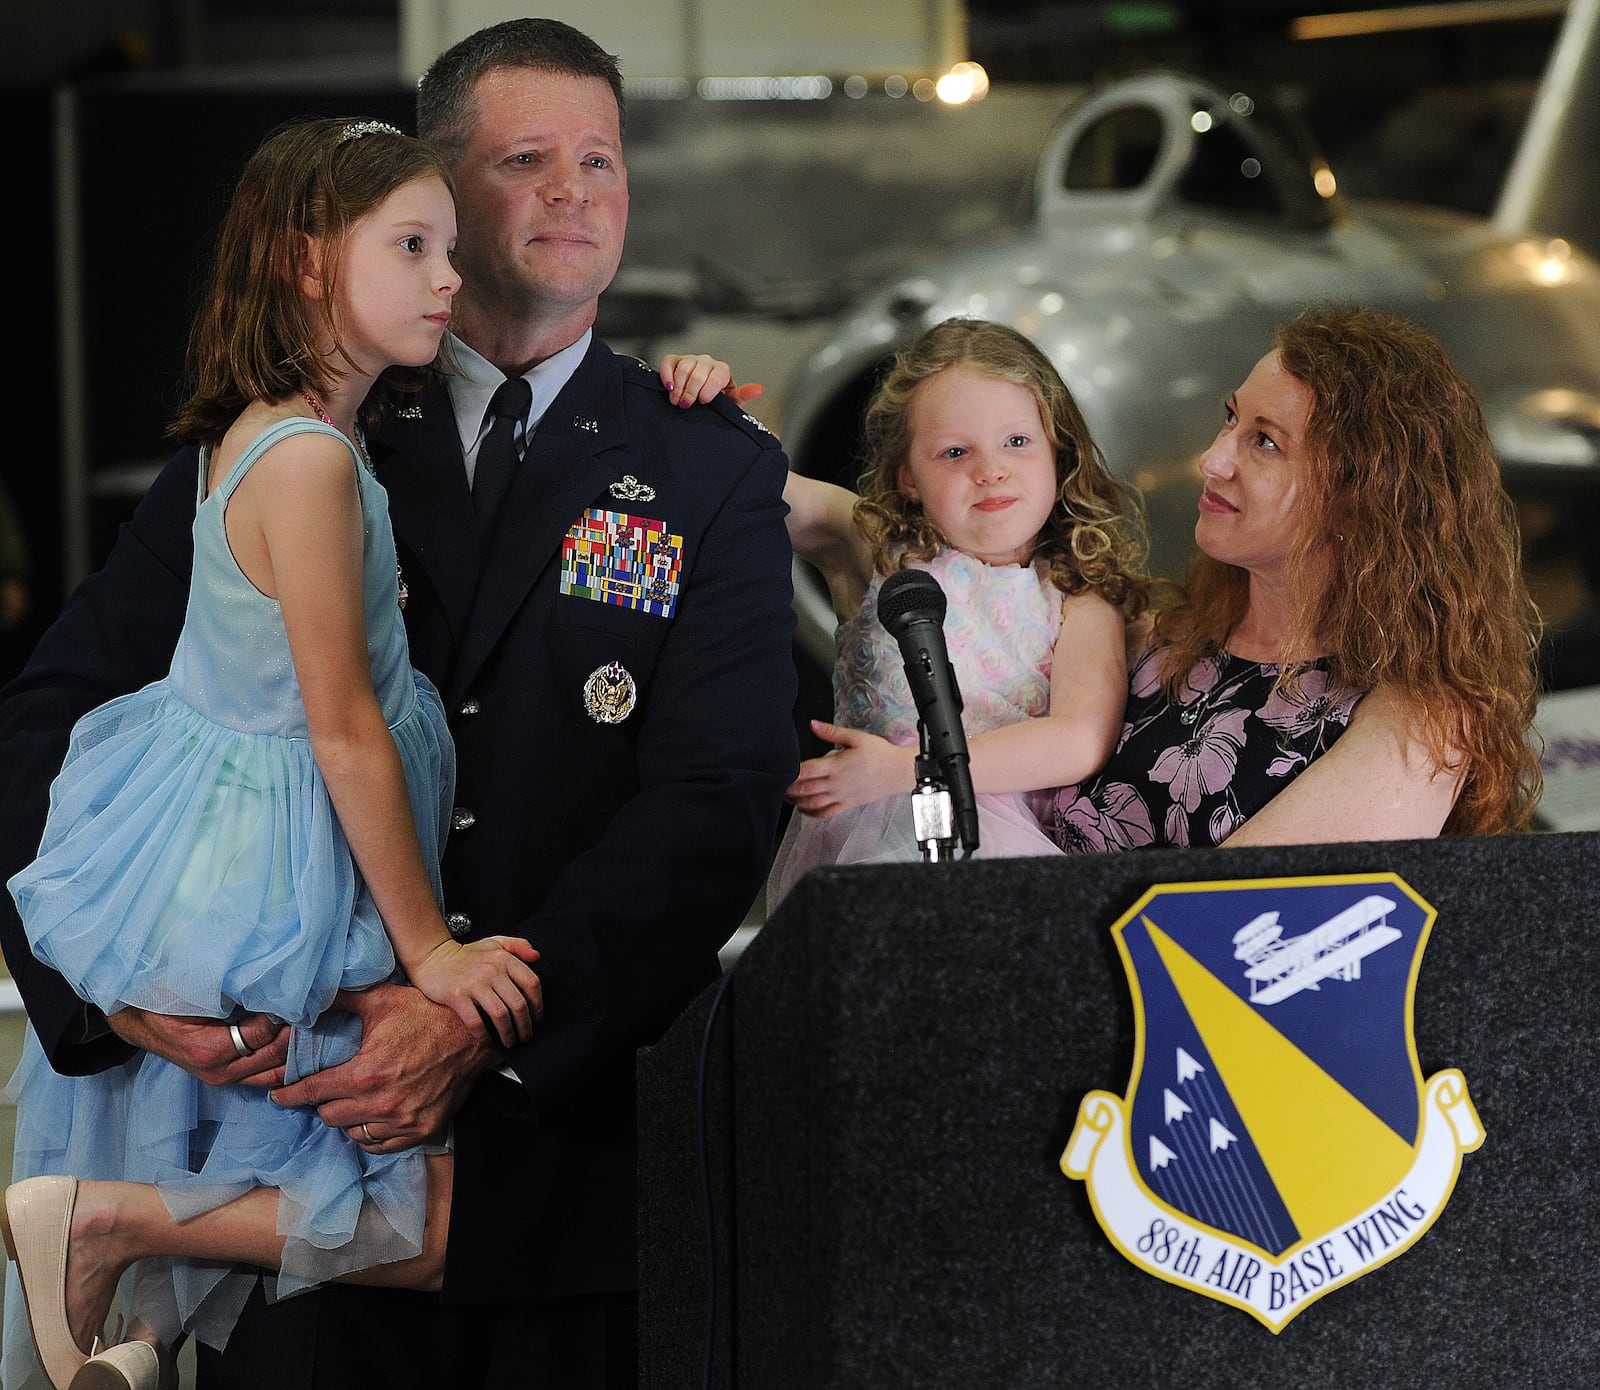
(262,828)
(981,471)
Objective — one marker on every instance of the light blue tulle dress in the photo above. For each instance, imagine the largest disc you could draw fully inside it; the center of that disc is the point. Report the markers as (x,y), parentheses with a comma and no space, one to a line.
(192,864)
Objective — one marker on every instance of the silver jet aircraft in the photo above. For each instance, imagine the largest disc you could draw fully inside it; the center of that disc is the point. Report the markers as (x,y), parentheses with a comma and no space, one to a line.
(1178,223)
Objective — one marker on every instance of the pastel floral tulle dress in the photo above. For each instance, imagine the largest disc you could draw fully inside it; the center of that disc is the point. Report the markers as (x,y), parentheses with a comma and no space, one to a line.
(192,864)
(1191,771)
(1000,629)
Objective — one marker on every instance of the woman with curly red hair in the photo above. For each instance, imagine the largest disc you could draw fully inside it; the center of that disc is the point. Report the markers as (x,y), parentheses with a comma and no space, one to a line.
(1354,655)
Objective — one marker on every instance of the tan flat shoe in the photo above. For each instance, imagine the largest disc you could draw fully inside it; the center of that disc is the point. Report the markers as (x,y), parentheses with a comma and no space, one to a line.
(36,1220)
(126,1366)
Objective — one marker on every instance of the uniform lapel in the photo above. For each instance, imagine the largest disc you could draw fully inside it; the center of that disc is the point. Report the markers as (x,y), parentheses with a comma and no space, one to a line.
(564,471)
(418,460)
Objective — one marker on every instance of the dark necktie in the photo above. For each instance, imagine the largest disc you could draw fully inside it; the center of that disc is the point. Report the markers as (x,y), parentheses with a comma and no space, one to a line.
(497,455)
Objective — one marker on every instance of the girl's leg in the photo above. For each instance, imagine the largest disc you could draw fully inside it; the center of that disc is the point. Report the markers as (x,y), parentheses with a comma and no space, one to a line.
(116,1223)
(424,1270)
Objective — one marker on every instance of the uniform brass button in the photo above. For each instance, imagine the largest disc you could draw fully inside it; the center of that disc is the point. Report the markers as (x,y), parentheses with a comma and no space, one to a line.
(462,819)
(458,923)
(469,706)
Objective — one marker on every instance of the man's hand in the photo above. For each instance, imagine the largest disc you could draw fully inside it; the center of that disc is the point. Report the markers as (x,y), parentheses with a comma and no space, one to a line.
(204,1047)
(417,1062)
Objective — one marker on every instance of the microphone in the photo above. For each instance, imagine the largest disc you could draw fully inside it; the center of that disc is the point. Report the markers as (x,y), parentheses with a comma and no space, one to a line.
(911,606)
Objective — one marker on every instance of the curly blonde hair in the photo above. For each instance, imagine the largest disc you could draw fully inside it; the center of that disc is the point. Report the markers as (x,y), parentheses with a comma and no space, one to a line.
(1094,537)
(1420,587)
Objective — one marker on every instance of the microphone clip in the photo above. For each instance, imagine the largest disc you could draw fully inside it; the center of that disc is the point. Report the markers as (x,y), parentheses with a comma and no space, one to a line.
(932,813)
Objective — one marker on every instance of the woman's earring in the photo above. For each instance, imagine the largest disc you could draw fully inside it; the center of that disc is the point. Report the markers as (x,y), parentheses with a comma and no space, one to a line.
(1338,535)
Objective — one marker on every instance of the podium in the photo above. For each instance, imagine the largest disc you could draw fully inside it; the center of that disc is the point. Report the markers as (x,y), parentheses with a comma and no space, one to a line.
(893,1069)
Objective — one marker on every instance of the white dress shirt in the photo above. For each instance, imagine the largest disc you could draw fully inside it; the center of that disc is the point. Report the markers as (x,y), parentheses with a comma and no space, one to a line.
(475,379)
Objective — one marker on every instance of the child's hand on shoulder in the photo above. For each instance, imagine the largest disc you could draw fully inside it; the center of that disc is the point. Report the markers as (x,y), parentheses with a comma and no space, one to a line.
(862,768)
(697,378)
(487,983)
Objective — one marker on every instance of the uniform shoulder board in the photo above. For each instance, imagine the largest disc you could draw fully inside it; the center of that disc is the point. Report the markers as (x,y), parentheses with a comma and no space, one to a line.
(734,414)
(745,421)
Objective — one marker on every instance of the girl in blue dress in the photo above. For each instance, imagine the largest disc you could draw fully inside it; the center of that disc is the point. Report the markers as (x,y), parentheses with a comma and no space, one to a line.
(262,828)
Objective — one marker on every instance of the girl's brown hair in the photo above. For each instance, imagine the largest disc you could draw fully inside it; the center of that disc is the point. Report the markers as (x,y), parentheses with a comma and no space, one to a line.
(256,335)
(1406,567)
(1094,536)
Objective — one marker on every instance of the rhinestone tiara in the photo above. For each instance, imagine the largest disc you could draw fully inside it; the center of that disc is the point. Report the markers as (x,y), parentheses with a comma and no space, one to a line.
(356,129)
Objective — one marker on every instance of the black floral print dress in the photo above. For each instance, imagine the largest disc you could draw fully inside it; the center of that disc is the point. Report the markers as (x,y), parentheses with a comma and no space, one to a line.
(1191,771)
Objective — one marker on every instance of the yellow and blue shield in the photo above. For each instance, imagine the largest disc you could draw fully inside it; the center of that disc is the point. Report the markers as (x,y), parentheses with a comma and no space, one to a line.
(1277,1138)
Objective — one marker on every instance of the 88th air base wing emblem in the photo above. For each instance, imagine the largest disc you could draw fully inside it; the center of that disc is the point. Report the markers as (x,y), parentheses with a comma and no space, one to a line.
(1277,1139)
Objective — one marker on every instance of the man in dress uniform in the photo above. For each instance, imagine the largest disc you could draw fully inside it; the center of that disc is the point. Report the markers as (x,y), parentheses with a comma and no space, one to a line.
(598,585)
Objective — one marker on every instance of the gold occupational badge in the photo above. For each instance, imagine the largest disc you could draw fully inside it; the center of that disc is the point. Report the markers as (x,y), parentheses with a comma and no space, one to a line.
(610,694)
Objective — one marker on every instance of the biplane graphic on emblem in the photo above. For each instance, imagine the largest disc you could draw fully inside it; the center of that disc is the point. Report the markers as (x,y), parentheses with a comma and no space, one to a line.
(1277,1139)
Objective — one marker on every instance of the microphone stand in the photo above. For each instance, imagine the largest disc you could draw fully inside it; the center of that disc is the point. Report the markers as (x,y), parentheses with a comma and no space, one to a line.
(932,816)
